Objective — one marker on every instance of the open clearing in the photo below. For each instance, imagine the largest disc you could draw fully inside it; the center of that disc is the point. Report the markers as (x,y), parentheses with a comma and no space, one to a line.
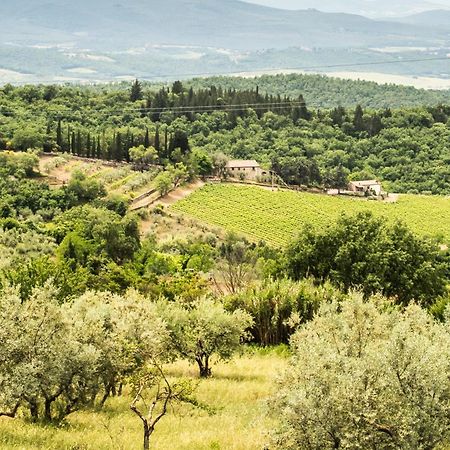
(118,178)
(237,391)
(276,217)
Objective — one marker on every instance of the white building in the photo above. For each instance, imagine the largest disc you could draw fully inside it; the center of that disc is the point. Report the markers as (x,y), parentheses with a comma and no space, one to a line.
(366,187)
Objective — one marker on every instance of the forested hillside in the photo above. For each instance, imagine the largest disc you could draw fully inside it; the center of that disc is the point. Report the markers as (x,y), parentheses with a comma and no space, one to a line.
(406,148)
(56,40)
(322,91)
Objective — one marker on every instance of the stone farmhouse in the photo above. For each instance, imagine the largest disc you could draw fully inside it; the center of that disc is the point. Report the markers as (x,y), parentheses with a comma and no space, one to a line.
(247,169)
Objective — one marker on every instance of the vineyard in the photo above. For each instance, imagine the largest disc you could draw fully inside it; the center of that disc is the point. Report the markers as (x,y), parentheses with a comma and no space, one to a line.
(276,217)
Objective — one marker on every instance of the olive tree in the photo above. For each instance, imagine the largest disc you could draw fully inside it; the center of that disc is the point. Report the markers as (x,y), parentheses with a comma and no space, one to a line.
(41,360)
(124,330)
(56,359)
(204,329)
(163,183)
(366,375)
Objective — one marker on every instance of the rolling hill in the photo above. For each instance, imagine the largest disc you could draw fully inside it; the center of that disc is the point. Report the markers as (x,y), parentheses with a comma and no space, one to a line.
(99,40)
(226,24)
(278,217)
(436,18)
(369,8)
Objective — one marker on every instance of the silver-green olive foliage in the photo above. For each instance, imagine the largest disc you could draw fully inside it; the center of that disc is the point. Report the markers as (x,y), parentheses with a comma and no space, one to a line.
(205,329)
(55,359)
(366,376)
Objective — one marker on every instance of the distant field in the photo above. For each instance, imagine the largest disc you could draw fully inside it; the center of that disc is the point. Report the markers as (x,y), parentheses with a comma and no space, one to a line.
(276,217)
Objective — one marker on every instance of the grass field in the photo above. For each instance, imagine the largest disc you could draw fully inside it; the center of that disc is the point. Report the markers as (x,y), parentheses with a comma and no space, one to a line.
(237,391)
(276,217)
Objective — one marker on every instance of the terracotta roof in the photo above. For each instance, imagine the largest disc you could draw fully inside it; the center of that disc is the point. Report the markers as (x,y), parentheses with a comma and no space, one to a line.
(242,163)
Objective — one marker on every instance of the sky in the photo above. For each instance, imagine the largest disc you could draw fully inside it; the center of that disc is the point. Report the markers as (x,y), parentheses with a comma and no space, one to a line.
(370,8)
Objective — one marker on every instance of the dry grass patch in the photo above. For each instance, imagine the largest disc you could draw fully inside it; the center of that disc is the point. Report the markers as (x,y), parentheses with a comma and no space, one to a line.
(237,393)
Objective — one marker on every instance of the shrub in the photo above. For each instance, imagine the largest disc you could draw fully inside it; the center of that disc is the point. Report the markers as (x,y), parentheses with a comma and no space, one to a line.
(365,375)
(278,307)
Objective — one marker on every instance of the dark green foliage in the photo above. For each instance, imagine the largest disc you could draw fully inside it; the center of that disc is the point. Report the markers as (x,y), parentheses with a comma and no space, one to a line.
(279,307)
(136,91)
(367,253)
(110,235)
(84,189)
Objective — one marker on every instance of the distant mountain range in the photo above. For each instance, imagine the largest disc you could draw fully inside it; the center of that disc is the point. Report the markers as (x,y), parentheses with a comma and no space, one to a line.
(126,37)
(106,25)
(437,18)
(368,8)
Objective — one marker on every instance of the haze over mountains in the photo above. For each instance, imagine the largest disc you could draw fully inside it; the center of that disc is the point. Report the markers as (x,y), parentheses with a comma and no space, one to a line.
(103,24)
(368,8)
(127,38)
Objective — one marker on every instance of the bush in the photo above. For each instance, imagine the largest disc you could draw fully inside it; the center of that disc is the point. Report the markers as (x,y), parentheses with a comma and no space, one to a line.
(363,376)
(369,253)
(18,164)
(278,307)
(84,189)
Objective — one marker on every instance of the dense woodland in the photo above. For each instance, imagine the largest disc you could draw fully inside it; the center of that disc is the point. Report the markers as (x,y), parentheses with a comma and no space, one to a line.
(322,91)
(91,309)
(407,148)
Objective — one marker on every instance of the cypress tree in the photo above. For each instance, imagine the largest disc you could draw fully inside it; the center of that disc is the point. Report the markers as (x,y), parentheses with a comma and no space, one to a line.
(69,134)
(59,139)
(136,91)
(157,140)
(358,119)
(112,148)
(128,145)
(166,143)
(99,149)
(73,143)
(146,139)
(179,140)
(93,148)
(79,144)
(47,145)
(296,114)
(119,148)
(88,146)
(337,115)
(177,87)
(376,125)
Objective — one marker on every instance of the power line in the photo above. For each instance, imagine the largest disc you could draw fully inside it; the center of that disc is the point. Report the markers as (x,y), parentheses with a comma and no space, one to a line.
(179,110)
(238,72)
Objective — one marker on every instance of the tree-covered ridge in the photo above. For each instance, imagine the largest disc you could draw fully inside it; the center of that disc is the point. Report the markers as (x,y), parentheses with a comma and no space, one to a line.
(406,148)
(322,91)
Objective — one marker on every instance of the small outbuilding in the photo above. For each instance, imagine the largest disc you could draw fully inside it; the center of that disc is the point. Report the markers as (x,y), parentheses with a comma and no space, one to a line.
(366,187)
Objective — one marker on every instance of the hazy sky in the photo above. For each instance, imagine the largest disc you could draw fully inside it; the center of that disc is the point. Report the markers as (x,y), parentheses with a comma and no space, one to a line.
(372,8)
